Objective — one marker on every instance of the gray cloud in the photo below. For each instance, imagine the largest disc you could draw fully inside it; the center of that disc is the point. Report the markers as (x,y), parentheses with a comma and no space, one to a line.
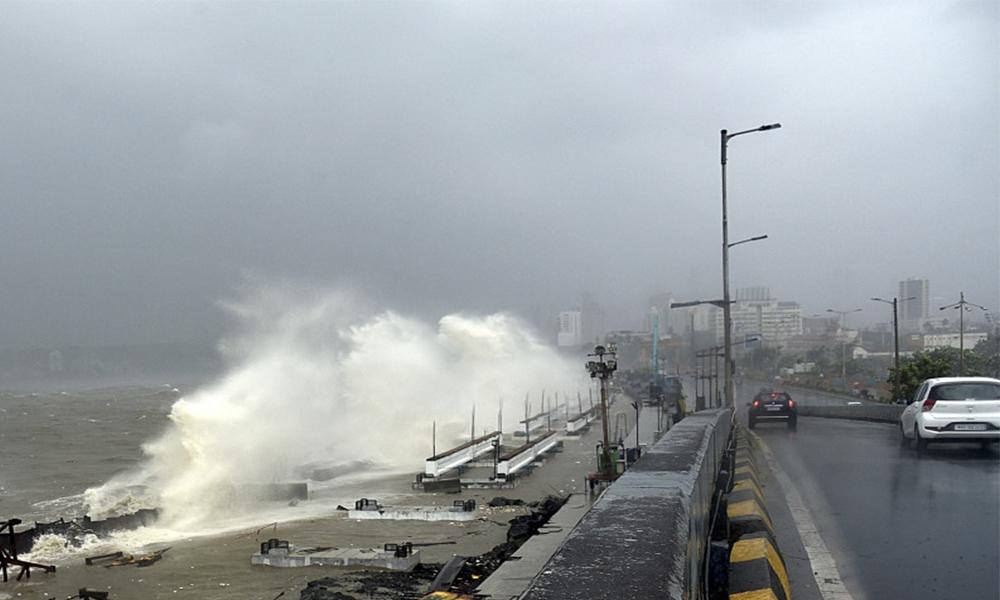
(446,156)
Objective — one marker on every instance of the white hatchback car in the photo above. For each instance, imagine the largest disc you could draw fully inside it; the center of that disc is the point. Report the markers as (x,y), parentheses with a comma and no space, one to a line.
(953,409)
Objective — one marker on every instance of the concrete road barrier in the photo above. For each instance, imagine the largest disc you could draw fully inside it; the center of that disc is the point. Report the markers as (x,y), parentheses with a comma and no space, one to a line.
(887,413)
(756,568)
(646,536)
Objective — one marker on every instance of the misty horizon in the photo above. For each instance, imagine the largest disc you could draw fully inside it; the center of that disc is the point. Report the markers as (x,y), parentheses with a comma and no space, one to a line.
(475,159)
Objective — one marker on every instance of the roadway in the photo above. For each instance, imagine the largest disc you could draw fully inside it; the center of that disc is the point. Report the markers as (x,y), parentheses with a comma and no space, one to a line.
(896,525)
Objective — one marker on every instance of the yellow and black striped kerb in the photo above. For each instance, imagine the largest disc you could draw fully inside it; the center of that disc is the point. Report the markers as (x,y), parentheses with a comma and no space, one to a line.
(746,473)
(745,490)
(747,516)
(756,570)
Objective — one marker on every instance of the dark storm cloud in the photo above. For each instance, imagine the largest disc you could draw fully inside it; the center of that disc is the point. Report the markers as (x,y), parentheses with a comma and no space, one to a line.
(488,156)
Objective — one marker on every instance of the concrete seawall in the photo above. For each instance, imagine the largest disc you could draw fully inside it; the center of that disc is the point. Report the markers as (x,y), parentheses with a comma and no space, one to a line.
(646,535)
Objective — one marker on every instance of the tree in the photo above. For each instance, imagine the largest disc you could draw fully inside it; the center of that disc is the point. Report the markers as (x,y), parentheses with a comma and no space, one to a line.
(940,362)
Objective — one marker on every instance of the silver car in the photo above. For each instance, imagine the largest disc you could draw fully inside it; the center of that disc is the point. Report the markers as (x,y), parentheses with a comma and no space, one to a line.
(961,409)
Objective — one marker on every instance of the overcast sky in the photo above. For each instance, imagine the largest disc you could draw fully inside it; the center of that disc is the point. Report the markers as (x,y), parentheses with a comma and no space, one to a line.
(483,156)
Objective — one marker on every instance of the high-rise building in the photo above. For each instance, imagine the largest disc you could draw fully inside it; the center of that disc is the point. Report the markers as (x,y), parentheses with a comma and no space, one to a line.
(913,313)
(570,329)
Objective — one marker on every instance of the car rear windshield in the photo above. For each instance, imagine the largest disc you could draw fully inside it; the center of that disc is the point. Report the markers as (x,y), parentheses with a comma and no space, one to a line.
(775,396)
(966,391)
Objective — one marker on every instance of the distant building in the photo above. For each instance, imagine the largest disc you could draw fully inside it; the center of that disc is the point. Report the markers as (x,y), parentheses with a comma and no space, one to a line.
(951,340)
(591,320)
(913,313)
(756,313)
(570,333)
(634,348)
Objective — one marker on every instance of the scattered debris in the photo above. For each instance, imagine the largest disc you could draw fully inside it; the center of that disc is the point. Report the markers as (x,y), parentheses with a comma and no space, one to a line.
(427,580)
(85,594)
(139,560)
(8,554)
(90,560)
(501,501)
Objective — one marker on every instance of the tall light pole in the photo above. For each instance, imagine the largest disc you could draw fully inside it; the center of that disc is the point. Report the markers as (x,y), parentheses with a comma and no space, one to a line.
(843,346)
(603,368)
(895,337)
(996,341)
(725,136)
(962,305)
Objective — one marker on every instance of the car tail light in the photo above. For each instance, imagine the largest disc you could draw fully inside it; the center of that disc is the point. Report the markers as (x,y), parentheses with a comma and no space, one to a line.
(791,403)
(928,404)
(756,403)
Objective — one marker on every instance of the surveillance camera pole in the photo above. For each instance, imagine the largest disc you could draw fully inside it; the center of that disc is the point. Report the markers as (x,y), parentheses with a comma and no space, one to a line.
(603,368)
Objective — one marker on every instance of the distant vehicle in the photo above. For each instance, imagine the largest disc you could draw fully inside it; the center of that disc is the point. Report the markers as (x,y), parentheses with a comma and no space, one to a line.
(773,405)
(953,409)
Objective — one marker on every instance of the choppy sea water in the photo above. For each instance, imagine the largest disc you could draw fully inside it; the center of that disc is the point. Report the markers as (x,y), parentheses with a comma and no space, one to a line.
(57,445)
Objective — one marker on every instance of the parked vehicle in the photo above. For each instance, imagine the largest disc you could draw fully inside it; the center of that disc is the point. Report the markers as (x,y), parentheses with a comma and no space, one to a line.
(773,406)
(953,409)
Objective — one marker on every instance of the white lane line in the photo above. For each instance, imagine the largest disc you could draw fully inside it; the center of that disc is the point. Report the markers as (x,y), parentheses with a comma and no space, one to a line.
(824,567)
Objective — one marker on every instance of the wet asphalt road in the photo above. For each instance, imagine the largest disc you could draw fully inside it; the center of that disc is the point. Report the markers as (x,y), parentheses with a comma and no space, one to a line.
(898,525)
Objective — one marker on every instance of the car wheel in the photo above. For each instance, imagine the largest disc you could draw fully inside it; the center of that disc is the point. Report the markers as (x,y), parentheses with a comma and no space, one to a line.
(920,442)
(751,422)
(793,423)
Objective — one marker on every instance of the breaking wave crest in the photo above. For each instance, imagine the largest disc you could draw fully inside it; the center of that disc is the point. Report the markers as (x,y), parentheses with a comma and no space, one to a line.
(324,382)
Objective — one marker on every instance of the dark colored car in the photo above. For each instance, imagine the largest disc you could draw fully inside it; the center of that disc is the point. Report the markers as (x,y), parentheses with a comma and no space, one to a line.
(767,406)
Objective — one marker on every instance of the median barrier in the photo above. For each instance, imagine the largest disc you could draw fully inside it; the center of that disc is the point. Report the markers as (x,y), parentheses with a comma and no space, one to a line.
(756,568)
(886,413)
(646,536)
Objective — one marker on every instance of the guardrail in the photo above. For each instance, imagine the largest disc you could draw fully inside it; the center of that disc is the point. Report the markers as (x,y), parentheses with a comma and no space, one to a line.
(646,536)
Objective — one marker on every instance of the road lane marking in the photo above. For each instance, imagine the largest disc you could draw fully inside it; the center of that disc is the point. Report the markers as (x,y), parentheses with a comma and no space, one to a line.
(824,567)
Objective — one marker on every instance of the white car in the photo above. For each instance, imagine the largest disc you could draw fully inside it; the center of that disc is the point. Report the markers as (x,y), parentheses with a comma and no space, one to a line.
(953,409)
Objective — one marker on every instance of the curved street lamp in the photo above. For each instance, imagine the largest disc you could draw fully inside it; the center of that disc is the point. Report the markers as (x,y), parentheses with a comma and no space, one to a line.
(725,136)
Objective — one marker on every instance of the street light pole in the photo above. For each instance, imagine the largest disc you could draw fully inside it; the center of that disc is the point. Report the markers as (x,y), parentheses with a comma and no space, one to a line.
(843,346)
(895,336)
(602,369)
(725,136)
(961,306)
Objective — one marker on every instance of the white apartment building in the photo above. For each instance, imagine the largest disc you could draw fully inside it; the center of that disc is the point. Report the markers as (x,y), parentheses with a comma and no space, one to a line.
(951,340)
(756,313)
(570,329)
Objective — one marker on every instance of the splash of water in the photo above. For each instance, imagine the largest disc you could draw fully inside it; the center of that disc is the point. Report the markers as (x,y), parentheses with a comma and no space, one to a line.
(324,381)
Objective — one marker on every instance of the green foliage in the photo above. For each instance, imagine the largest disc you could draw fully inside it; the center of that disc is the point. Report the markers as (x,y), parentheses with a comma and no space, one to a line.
(941,362)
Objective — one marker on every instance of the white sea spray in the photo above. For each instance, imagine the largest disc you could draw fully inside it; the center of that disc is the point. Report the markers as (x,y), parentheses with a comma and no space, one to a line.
(320,379)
